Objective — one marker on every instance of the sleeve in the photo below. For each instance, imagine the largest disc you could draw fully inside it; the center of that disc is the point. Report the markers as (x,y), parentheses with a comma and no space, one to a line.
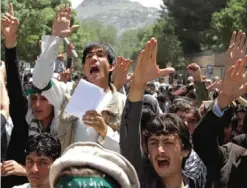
(201,92)
(44,67)
(205,141)
(51,88)
(18,108)
(130,141)
(111,141)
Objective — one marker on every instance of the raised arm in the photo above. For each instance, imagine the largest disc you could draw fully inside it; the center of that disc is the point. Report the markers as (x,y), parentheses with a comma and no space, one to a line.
(146,70)
(206,134)
(52,89)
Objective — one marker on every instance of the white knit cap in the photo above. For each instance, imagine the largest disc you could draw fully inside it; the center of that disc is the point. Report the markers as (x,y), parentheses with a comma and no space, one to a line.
(93,155)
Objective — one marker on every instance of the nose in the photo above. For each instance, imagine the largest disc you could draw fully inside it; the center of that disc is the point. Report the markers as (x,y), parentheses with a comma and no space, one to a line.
(94,59)
(37,103)
(161,149)
(34,168)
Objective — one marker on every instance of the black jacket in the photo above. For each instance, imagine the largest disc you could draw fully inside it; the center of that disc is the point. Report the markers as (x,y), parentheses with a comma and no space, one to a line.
(18,108)
(227,164)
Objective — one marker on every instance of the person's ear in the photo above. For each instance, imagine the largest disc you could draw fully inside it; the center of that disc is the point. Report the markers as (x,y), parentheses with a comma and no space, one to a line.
(112,66)
(185,153)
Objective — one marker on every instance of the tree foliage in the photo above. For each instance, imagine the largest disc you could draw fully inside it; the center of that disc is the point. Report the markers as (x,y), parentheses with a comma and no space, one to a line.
(169,47)
(35,17)
(232,18)
(191,18)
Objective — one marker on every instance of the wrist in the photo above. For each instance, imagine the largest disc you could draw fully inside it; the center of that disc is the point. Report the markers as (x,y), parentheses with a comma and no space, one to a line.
(10,42)
(224,100)
(103,133)
(197,78)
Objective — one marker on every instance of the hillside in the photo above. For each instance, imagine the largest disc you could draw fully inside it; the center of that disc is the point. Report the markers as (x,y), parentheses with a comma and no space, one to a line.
(123,14)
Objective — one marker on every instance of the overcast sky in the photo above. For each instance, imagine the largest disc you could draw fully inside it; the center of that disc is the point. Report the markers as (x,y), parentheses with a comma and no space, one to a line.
(147,3)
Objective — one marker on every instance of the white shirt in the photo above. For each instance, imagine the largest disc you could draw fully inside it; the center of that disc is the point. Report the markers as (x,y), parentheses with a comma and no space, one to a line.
(26,185)
(85,133)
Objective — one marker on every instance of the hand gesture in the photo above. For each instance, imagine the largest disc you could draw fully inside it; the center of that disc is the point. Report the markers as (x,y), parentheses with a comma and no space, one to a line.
(11,167)
(146,69)
(61,25)
(10,26)
(95,120)
(235,81)
(70,48)
(195,71)
(120,73)
(65,76)
(215,85)
(237,48)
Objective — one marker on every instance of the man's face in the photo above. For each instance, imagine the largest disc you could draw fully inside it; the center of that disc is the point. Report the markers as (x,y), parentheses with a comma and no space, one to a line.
(189,119)
(240,116)
(96,67)
(38,167)
(166,154)
(41,107)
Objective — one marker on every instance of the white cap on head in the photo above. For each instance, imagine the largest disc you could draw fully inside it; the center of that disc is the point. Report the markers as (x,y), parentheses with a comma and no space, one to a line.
(93,155)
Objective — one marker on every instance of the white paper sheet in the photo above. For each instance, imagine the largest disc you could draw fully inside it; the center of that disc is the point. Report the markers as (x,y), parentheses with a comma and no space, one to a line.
(86,97)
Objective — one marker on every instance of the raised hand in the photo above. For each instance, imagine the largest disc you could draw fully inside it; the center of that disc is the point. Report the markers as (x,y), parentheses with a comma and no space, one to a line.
(61,25)
(235,82)
(215,85)
(195,71)
(9,25)
(237,48)
(120,73)
(65,76)
(147,69)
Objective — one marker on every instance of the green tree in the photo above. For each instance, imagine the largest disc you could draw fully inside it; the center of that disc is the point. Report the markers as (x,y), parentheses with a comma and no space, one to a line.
(169,47)
(99,32)
(225,21)
(35,17)
(191,20)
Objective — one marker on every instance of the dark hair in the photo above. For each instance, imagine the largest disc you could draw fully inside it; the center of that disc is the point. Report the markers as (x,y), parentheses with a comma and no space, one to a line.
(184,104)
(165,124)
(108,49)
(191,94)
(147,116)
(44,144)
(245,123)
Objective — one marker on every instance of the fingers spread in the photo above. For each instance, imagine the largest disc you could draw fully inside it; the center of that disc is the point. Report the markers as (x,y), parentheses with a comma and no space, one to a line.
(233,39)
(11,9)
(167,71)
(242,40)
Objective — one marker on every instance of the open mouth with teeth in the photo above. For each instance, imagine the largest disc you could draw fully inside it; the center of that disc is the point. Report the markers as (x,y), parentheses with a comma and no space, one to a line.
(94,70)
(163,163)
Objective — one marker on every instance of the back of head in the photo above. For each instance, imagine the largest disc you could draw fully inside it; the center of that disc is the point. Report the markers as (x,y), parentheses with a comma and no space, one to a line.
(86,163)
(184,104)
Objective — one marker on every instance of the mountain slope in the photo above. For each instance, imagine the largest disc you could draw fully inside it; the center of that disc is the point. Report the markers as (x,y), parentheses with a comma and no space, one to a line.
(123,14)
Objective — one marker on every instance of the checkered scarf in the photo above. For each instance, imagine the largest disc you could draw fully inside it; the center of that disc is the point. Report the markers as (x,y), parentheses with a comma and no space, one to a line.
(196,170)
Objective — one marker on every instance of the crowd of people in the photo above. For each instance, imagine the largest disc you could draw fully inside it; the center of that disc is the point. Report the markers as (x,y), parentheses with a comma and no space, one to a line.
(152,129)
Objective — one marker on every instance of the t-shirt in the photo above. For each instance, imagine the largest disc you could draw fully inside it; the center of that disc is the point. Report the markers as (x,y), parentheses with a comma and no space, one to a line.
(26,185)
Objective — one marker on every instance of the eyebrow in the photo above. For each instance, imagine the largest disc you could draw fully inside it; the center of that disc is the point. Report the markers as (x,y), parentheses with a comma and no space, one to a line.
(96,51)
(165,139)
